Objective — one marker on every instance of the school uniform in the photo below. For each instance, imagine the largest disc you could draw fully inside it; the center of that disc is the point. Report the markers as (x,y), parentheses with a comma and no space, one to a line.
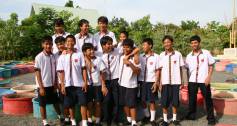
(128,84)
(72,65)
(98,36)
(94,73)
(80,40)
(147,76)
(111,101)
(198,65)
(55,49)
(170,65)
(46,64)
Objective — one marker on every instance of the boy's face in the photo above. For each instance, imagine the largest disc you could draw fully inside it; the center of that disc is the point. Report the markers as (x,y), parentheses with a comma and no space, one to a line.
(108,46)
(146,47)
(122,37)
(59,29)
(90,53)
(102,26)
(126,50)
(195,45)
(47,46)
(70,43)
(167,44)
(61,46)
(85,28)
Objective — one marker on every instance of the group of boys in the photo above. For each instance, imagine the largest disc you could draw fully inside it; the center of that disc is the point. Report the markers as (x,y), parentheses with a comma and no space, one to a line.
(104,77)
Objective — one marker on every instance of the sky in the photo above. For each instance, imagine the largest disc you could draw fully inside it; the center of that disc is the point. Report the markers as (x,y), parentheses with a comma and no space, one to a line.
(165,11)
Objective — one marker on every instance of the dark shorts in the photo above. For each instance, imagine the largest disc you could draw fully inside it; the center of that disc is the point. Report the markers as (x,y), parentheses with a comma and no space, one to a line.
(170,95)
(128,96)
(146,93)
(94,94)
(51,96)
(113,92)
(74,95)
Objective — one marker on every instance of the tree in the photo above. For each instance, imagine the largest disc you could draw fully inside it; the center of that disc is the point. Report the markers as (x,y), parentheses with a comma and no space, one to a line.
(117,25)
(189,25)
(69,4)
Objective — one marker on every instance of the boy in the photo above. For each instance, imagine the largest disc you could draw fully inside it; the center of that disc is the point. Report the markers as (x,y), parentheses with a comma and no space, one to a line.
(123,35)
(171,62)
(103,31)
(72,73)
(45,76)
(149,77)
(128,71)
(83,36)
(97,89)
(200,65)
(58,31)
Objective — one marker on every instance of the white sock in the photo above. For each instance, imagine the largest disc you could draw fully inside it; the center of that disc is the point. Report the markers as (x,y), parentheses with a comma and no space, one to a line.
(59,116)
(153,115)
(134,122)
(84,122)
(90,120)
(66,119)
(97,120)
(174,116)
(129,119)
(165,117)
(146,112)
(45,122)
(73,121)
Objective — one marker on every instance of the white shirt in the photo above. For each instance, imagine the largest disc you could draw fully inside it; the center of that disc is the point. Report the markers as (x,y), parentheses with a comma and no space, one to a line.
(55,49)
(170,67)
(47,66)
(94,74)
(80,40)
(111,61)
(127,78)
(198,65)
(73,77)
(149,67)
(57,55)
(97,38)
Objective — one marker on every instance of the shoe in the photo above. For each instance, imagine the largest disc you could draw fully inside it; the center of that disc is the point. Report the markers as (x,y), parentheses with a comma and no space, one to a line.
(134,125)
(189,117)
(145,120)
(46,125)
(90,124)
(164,123)
(126,123)
(211,122)
(98,124)
(176,123)
(153,123)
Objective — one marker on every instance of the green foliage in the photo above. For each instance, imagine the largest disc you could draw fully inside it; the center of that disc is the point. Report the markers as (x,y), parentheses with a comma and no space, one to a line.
(69,3)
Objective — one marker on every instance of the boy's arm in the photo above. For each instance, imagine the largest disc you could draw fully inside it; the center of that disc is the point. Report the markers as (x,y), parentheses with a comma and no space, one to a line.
(103,86)
(135,53)
(134,68)
(84,77)
(39,78)
(210,71)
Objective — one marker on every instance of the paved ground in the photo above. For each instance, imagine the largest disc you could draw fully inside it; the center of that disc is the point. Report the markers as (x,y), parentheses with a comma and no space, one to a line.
(6,120)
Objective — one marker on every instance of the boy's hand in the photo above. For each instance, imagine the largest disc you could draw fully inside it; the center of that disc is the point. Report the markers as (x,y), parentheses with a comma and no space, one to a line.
(208,80)
(104,90)
(55,87)
(63,90)
(42,91)
(154,88)
(126,61)
(160,87)
(84,87)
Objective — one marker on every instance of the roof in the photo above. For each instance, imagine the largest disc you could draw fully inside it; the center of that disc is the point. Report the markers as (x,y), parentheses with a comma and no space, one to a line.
(90,14)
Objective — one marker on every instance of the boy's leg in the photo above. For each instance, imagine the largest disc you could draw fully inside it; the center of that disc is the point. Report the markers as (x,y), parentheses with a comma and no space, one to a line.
(84,115)
(98,97)
(90,97)
(175,101)
(115,105)
(131,102)
(144,98)
(82,101)
(97,112)
(72,115)
(152,98)
(70,102)
(42,103)
(127,112)
(108,104)
(192,97)
(43,114)
(165,101)
(89,112)
(152,111)
(133,113)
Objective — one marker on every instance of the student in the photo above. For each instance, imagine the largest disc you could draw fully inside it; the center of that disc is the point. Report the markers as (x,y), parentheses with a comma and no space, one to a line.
(45,76)
(97,89)
(149,76)
(60,43)
(58,31)
(200,66)
(128,71)
(171,62)
(123,35)
(72,73)
(83,36)
(103,31)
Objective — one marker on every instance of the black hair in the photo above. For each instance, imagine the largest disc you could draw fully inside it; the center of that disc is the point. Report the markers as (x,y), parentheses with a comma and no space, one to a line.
(103,19)
(149,41)
(83,21)
(105,40)
(60,39)
(169,37)
(58,22)
(129,43)
(71,36)
(86,46)
(47,38)
(195,37)
(125,33)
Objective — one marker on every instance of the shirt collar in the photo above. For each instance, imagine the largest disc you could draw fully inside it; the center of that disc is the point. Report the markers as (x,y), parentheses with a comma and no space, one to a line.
(152,54)
(57,35)
(47,54)
(107,32)
(86,35)
(172,53)
(201,52)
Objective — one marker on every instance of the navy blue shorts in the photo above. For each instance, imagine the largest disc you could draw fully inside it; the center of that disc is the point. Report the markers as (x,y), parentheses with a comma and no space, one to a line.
(94,94)
(146,93)
(170,95)
(51,96)
(74,95)
(128,96)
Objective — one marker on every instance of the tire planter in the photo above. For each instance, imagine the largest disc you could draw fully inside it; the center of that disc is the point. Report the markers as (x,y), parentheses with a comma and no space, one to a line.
(184,96)
(223,86)
(220,67)
(4,92)
(230,67)
(6,73)
(1,72)
(14,72)
(225,103)
(18,104)
(24,88)
(3,83)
